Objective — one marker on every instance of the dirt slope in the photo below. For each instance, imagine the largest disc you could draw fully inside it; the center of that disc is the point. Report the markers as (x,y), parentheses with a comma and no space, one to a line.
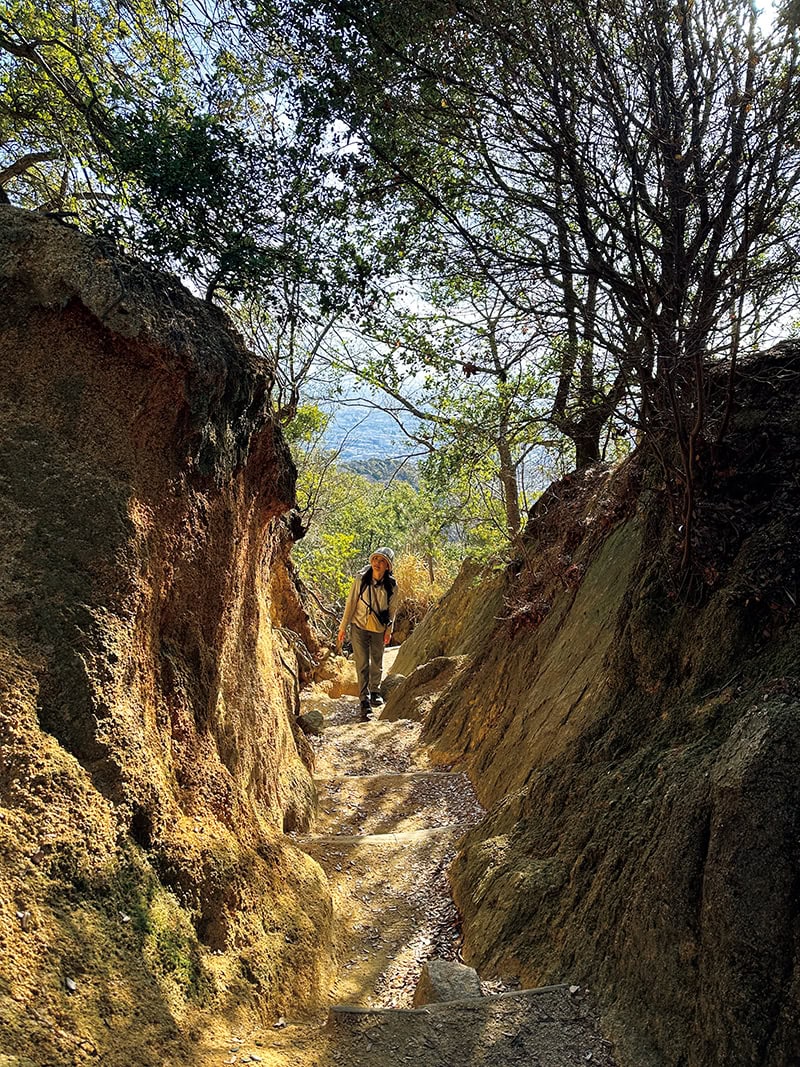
(637,738)
(148,755)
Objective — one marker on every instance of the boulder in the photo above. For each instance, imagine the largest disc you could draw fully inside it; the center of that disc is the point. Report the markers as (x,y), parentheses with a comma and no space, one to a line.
(336,676)
(390,683)
(443,980)
(412,696)
(312,722)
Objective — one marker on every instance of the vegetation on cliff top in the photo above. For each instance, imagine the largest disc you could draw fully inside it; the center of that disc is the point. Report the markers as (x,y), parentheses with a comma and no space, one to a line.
(526,225)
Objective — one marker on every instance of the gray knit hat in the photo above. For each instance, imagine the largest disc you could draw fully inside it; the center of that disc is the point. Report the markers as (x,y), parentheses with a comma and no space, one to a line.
(387,554)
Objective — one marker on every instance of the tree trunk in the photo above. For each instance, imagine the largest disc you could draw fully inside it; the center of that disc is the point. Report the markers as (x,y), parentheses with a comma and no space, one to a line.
(587,447)
(508,485)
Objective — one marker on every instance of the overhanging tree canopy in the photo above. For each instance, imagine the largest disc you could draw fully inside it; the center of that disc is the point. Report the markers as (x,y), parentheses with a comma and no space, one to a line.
(631,168)
(623,176)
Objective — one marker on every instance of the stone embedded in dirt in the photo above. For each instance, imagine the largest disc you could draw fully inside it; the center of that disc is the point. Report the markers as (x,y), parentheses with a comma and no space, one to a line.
(312,722)
(443,980)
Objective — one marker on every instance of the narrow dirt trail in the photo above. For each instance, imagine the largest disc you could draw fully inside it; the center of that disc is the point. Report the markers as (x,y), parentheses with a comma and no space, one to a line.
(386,832)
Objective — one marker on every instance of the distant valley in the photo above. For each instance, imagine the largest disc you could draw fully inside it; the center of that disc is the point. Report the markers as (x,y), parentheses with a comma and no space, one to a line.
(370,442)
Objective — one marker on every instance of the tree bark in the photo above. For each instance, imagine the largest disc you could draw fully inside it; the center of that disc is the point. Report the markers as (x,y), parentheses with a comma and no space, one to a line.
(508,485)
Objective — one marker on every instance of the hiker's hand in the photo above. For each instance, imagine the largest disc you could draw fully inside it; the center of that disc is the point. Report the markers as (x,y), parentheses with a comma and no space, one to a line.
(340,637)
(387,637)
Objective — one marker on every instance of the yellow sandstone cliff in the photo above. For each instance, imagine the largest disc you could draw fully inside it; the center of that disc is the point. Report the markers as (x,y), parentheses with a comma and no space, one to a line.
(634,728)
(148,755)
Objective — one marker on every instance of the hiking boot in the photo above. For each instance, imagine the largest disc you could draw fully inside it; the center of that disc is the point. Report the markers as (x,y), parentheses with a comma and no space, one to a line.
(376,700)
(365,710)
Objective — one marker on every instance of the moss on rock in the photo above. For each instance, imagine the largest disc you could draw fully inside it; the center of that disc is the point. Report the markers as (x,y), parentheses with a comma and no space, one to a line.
(148,753)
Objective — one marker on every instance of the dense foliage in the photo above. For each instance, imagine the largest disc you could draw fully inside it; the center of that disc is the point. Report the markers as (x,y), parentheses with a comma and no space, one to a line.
(531,229)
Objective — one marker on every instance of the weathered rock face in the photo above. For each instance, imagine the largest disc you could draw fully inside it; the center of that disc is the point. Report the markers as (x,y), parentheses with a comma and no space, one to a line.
(148,754)
(411,698)
(639,748)
(459,625)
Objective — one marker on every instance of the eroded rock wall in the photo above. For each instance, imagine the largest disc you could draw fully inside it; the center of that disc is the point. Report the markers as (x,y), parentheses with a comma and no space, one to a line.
(149,760)
(638,743)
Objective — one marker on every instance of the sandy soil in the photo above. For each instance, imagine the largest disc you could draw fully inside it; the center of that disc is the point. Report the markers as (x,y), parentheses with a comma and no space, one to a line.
(386,833)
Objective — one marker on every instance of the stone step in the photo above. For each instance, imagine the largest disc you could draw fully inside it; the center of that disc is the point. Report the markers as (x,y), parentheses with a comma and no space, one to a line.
(567,1006)
(401,838)
(392,906)
(392,803)
(553,1026)
(391,774)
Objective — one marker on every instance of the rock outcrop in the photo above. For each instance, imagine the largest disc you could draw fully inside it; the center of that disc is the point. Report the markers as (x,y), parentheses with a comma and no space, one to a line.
(412,697)
(149,755)
(635,729)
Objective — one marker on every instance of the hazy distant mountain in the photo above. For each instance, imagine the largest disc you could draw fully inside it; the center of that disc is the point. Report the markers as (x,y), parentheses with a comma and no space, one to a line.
(364,433)
(385,469)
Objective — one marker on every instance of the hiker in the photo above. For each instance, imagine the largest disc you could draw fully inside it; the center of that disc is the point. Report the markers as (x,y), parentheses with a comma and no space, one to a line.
(370,609)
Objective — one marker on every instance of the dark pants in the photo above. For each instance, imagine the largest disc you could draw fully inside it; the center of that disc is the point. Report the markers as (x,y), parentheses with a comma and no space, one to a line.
(368,656)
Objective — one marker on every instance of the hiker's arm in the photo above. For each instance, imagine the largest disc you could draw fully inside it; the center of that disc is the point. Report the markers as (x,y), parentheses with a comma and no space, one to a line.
(394,603)
(349,608)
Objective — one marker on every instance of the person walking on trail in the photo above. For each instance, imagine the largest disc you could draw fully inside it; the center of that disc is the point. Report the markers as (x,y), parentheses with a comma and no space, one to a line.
(370,610)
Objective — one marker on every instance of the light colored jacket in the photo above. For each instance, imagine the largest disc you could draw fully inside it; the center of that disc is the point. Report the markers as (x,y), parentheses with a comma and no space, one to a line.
(374,597)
